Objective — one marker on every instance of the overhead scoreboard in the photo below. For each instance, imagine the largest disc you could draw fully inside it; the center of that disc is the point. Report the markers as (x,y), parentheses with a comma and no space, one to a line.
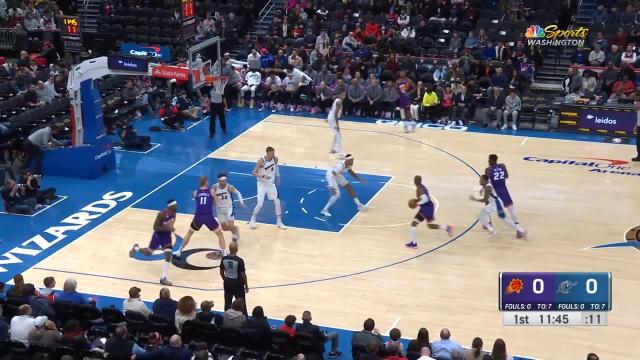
(555,298)
(71,33)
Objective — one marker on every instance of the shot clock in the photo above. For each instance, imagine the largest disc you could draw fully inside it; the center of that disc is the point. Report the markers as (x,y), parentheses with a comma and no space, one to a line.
(71,33)
(188,14)
(555,299)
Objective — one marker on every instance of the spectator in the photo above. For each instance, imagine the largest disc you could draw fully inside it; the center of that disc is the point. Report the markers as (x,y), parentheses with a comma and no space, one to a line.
(291,90)
(367,334)
(614,55)
(69,293)
(119,346)
(394,340)
(295,60)
(289,325)
(258,322)
(170,116)
(498,79)
(596,56)
(628,57)
(430,103)
(373,98)
(471,42)
(207,315)
(38,141)
(600,15)
(512,106)
(499,351)
(165,305)
(185,311)
(572,83)
(321,337)
(48,291)
(185,107)
(253,60)
(589,83)
(234,316)
(425,354)
(462,107)
(421,341)
(495,103)
(22,325)
(616,97)
(592,356)
(45,93)
(350,43)
(389,99)
(4,328)
(12,195)
(31,97)
(627,86)
(133,303)
(274,91)
(355,98)
(620,38)
(44,333)
(628,17)
(475,353)
(74,337)
(443,348)
(455,43)
(323,97)
(172,351)
(393,353)
(30,184)
(446,105)
(131,139)
(266,59)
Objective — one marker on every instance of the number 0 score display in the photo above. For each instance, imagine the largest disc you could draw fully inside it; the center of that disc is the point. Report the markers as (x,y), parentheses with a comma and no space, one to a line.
(555,298)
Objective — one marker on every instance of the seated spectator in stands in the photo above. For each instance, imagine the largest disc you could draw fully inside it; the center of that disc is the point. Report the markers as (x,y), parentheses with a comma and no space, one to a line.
(120,346)
(614,16)
(134,303)
(69,293)
(628,57)
(174,351)
(389,99)
(393,353)
(430,103)
(164,305)
(274,91)
(258,324)
(440,74)
(494,104)
(600,15)
(266,59)
(131,139)
(23,61)
(421,341)
(488,52)
(368,334)
(443,348)
(394,340)
(289,325)
(185,311)
(321,337)
(512,106)
(185,107)
(499,79)
(4,328)
(373,94)
(281,60)
(608,77)
(251,82)
(572,83)
(596,56)
(45,333)
(15,201)
(627,86)
(628,16)
(48,290)
(295,60)
(499,350)
(22,325)
(45,93)
(462,109)
(579,57)
(74,337)
(31,17)
(234,317)
(589,83)
(207,315)
(616,96)
(475,352)
(32,189)
(290,87)
(323,97)
(355,98)
(31,97)
(620,38)
(614,55)
(18,290)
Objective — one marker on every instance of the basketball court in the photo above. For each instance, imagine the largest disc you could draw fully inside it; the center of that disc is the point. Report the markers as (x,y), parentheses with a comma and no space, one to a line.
(354,265)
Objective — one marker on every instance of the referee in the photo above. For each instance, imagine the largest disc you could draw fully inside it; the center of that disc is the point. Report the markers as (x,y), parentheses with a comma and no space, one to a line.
(233,276)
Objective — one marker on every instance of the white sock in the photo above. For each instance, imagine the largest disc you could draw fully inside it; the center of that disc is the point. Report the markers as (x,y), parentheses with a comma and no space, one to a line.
(413,234)
(357,201)
(165,269)
(485,220)
(513,214)
(278,207)
(331,201)
(444,227)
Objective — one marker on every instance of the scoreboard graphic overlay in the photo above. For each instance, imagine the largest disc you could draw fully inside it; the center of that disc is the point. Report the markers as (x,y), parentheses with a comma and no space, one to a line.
(555,298)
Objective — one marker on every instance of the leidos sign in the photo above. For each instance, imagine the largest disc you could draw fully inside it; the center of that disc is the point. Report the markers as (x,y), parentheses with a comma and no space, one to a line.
(552,36)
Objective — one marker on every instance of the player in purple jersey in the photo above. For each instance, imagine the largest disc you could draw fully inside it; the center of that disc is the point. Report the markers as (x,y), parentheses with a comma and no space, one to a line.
(161,238)
(205,201)
(426,212)
(498,175)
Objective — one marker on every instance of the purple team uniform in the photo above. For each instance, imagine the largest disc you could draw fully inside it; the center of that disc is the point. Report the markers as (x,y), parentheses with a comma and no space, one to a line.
(204,211)
(427,209)
(497,177)
(162,239)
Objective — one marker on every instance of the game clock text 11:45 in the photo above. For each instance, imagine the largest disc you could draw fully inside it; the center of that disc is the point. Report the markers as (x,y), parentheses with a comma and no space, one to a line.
(553,318)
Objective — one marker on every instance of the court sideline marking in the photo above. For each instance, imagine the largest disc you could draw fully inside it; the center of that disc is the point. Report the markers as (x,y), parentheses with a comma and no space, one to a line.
(304,282)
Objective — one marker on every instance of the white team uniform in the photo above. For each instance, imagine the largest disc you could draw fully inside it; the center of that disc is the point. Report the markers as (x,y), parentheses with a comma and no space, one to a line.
(224,204)
(267,186)
(337,180)
(495,204)
(332,119)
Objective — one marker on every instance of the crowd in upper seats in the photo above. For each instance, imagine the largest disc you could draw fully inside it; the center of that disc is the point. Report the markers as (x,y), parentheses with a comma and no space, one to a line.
(41,317)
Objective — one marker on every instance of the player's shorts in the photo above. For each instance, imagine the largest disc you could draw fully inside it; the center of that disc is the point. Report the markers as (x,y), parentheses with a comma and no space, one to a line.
(225,215)
(268,189)
(503,194)
(335,181)
(207,220)
(160,240)
(426,212)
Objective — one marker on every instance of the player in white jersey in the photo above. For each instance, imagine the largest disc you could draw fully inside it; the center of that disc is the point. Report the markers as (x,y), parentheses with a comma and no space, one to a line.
(493,204)
(332,120)
(335,180)
(266,171)
(223,192)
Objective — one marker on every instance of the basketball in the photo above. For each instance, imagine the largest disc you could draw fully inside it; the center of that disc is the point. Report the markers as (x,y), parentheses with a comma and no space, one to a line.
(413,203)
